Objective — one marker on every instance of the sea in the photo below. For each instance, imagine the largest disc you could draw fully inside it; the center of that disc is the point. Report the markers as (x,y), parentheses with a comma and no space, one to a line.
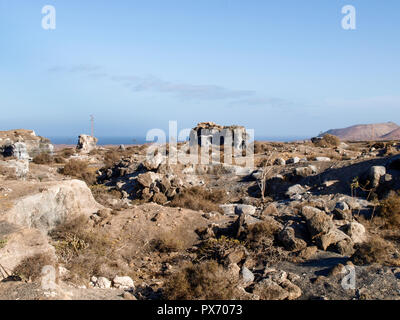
(142,140)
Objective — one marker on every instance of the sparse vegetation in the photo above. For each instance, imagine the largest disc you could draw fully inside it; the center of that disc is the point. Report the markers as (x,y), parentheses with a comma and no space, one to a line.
(3,243)
(204,281)
(83,249)
(30,268)
(43,158)
(198,198)
(375,250)
(81,170)
(167,242)
(67,152)
(8,173)
(390,210)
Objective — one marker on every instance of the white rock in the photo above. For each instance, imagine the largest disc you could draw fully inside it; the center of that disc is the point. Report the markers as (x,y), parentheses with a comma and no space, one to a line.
(44,209)
(247,275)
(293,160)
(103,283)
(125,283)
(375,174)
(356,231)
(322,159)
(245,209)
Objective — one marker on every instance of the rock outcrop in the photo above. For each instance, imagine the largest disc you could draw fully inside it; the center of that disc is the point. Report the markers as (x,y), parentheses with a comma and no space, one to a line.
(23,144)
(86,143)
(49,204)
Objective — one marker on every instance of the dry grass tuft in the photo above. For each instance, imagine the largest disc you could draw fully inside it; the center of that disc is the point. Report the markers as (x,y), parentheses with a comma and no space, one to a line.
(390,210)
(84,250)
(30,269)
(198,198)
(205,281)
(375,250)
(167,242)
(8,173)
(81,170)
(43,158)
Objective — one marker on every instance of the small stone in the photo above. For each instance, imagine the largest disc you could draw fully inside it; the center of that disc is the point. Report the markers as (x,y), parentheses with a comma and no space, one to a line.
(247,275)
(125,283)
(103,283)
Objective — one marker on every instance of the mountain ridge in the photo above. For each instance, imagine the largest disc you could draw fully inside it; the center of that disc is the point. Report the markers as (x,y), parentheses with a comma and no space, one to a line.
(367,132)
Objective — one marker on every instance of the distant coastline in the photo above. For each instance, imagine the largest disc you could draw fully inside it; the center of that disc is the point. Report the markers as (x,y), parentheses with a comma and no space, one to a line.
(103,141)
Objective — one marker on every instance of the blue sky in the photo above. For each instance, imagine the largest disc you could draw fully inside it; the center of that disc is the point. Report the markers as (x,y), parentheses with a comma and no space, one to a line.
(282,68)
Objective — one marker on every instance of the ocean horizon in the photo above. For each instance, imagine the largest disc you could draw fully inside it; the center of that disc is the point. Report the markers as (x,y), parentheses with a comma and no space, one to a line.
(142,140)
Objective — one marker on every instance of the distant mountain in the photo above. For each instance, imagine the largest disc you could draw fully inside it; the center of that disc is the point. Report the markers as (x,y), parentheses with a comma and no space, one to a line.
(393,135)
(368,132)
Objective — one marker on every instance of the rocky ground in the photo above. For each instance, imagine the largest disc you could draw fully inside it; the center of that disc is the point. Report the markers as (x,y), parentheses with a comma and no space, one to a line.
(109,224)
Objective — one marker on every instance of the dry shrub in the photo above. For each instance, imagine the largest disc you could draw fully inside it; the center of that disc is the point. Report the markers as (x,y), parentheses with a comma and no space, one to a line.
(205,281)
(260,147)
(327,141)
(67,152)
(216,249)
(58,160)
(43,158)
(111,157)
(390,210)
(83,249)
(198,198)
(260,239)
(167,242)
(103,194)
(375,250)
(261,231)
(81,170)
(31,268)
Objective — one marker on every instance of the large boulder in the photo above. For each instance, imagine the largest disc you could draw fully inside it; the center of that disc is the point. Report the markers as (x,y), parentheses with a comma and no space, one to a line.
(318,222)
(356,231)
(86,143)
(289,240)
(49,204)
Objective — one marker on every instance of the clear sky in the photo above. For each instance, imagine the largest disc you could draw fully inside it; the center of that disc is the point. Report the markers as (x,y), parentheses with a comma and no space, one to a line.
(282,68)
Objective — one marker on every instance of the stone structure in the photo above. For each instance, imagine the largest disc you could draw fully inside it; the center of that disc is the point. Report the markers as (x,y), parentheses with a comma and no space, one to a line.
(208,133)
(86,143)
(23,144)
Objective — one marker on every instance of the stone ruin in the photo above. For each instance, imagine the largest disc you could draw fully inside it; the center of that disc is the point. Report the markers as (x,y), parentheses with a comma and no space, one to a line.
(206,134)
(86,143)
